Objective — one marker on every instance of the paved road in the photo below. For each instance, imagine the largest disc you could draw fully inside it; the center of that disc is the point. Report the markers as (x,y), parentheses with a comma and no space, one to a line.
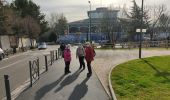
(17,67)
(105,60)
(53,85)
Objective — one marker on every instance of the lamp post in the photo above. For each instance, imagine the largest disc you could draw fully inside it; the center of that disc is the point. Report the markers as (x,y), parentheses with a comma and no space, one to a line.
(140,45)
(89,35)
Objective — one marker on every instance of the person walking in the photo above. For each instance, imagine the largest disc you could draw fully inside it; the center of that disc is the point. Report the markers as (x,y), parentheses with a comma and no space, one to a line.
(67,59)
(62,48)
(80,53)
(89,51)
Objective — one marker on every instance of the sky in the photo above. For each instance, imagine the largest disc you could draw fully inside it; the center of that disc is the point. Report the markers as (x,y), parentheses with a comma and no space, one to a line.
(77,9)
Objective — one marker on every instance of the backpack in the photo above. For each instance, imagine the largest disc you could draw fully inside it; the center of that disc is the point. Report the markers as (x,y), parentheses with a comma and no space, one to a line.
(80,51)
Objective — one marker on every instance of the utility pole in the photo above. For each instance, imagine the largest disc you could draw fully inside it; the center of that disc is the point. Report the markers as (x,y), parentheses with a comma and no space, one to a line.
(140,45)
(89,36)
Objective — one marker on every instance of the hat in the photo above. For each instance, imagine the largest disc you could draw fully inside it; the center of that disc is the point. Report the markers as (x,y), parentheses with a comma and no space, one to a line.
(68,46)
(87,43)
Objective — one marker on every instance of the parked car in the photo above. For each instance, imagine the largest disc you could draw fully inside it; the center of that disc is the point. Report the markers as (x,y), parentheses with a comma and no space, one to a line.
(2,55)
(42,45)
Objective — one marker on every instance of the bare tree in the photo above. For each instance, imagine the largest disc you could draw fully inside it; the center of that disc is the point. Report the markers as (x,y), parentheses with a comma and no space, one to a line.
(164,23)
(109,25)
(155,14)
(58,24)
(31,27)
(53,20)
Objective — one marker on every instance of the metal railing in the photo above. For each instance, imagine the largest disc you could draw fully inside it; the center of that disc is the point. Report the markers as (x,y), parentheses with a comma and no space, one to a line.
(145,44)
(34,73)
(34,70)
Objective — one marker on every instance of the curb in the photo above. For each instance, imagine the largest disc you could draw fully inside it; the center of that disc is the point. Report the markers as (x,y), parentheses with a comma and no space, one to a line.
(101,84)
(16,92)
(113,96)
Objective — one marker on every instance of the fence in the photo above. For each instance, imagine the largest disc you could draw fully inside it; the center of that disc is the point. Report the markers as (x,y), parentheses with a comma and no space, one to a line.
(145,44)
(34,73)
(34,70)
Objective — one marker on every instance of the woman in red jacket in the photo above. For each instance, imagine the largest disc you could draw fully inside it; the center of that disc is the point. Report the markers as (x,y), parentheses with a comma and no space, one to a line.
(89,51)
(67,59)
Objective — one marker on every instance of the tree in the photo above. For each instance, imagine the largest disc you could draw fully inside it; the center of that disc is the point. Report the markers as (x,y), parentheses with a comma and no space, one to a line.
(58,24)
(135,20)
(109,25)
(164,23)
(61,26)
(156,13)
(2,19)
(29,8)
(31,27)
(53,37)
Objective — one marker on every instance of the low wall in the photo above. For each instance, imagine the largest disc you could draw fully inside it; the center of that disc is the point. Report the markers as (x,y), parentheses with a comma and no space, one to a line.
(5,44)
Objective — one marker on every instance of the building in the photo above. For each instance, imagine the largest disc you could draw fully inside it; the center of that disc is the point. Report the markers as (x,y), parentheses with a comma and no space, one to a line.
(97,16)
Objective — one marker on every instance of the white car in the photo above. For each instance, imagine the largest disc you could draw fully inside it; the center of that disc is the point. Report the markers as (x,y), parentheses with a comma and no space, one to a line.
(42,45)
(1,54)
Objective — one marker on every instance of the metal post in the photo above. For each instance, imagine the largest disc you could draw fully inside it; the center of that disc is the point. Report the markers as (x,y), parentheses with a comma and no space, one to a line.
(7,87)
(140,45)
(38,68)
(51,56)
(58,52)
(46,64)
(30,73)
(89,23)
(56,55)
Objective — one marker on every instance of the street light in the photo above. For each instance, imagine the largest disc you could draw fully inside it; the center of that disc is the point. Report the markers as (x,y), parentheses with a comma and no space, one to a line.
(89,38)
(140,45)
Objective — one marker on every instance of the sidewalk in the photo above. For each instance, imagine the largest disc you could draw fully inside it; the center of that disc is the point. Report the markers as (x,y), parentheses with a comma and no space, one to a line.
(54,85)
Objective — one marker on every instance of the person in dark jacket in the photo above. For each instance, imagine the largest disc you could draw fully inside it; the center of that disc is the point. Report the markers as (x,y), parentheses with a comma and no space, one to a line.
(89,51)
(62,48)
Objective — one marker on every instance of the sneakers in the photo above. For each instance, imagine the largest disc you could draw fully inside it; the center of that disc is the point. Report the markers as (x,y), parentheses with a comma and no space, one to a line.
(89,74)
(67,72)
(81,68)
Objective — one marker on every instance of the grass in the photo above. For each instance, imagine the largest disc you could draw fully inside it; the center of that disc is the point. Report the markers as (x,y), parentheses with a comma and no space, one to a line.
(142,79)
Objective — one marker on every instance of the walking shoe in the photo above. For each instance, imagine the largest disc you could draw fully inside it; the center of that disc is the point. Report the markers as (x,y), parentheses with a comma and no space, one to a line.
(65,73)
(89,74)
(80,68)
(69,71)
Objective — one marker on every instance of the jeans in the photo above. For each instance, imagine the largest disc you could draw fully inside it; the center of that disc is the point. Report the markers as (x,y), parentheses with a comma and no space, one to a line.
(81,61)
(89,67)
(67,66)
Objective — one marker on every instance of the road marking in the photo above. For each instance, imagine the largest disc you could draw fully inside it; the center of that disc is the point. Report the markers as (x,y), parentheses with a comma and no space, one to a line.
(13,64)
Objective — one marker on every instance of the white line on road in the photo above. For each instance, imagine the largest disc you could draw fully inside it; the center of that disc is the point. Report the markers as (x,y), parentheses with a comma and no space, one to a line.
(13,64)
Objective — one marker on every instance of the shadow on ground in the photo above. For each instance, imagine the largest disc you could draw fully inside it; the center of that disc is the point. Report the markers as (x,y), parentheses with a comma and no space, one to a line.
(164,74)
(68,80)
(80,90)
(42,91)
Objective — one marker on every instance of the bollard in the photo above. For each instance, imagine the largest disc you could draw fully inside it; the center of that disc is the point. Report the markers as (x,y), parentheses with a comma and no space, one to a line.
(56,55)
(46,64)
(38,67)
(7,87)
(30,73)
(51,56)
